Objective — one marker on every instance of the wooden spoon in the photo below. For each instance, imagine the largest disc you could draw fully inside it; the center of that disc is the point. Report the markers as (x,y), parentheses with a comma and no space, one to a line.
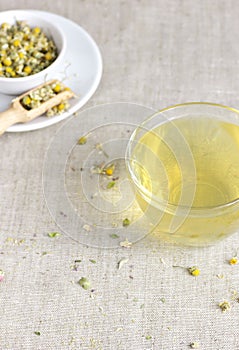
(18,114)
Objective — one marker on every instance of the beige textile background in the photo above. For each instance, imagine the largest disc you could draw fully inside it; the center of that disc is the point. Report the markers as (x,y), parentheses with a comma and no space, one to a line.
(155,53)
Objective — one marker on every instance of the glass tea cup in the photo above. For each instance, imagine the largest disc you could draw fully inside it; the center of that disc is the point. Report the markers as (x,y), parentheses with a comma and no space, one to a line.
(183,163)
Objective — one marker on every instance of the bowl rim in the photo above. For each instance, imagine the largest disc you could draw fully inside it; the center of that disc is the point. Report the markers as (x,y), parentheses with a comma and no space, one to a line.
(171,207)
(46,70)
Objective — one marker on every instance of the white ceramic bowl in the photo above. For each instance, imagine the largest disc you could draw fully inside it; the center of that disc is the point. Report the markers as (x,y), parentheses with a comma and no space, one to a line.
(17,86)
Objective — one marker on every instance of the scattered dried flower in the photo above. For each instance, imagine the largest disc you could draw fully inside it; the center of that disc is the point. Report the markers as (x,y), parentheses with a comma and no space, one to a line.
(224,306)
(111,184)
(194,271)
(92,261)
(101,309)
(126,222)
(82,140)
(53,234)
(74,267)
(101,150)
(126,244)
(114,236)
(92,296)
(234,294)
(45,253)
(87,227)
(37,333)
(194,345)
(84,283)
(122,262)
(119,329)
(233,260)
(15,241)
(109,170)
(97,169)
(148,337)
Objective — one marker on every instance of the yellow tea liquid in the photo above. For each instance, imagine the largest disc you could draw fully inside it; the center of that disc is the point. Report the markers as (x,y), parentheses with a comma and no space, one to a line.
(191,162)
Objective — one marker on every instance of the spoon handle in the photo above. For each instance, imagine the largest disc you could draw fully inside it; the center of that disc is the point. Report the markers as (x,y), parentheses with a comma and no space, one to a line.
(10,117)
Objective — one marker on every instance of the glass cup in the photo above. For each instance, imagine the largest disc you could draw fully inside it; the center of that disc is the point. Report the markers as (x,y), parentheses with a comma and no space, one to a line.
(183,163)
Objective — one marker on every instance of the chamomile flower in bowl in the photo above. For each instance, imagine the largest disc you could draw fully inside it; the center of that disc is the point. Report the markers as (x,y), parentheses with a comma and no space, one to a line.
(31,50)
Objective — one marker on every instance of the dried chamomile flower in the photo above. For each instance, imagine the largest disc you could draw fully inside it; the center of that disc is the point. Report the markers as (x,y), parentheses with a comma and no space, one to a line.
(194,271)
(59,109)
(37,97)
(224,306)
(109,170)
(23,50)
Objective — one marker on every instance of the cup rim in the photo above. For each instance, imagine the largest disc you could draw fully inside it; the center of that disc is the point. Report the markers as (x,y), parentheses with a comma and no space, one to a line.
(171,207)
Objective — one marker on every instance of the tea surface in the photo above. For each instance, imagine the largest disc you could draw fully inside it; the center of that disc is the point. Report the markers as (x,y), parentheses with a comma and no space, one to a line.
(190,161)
